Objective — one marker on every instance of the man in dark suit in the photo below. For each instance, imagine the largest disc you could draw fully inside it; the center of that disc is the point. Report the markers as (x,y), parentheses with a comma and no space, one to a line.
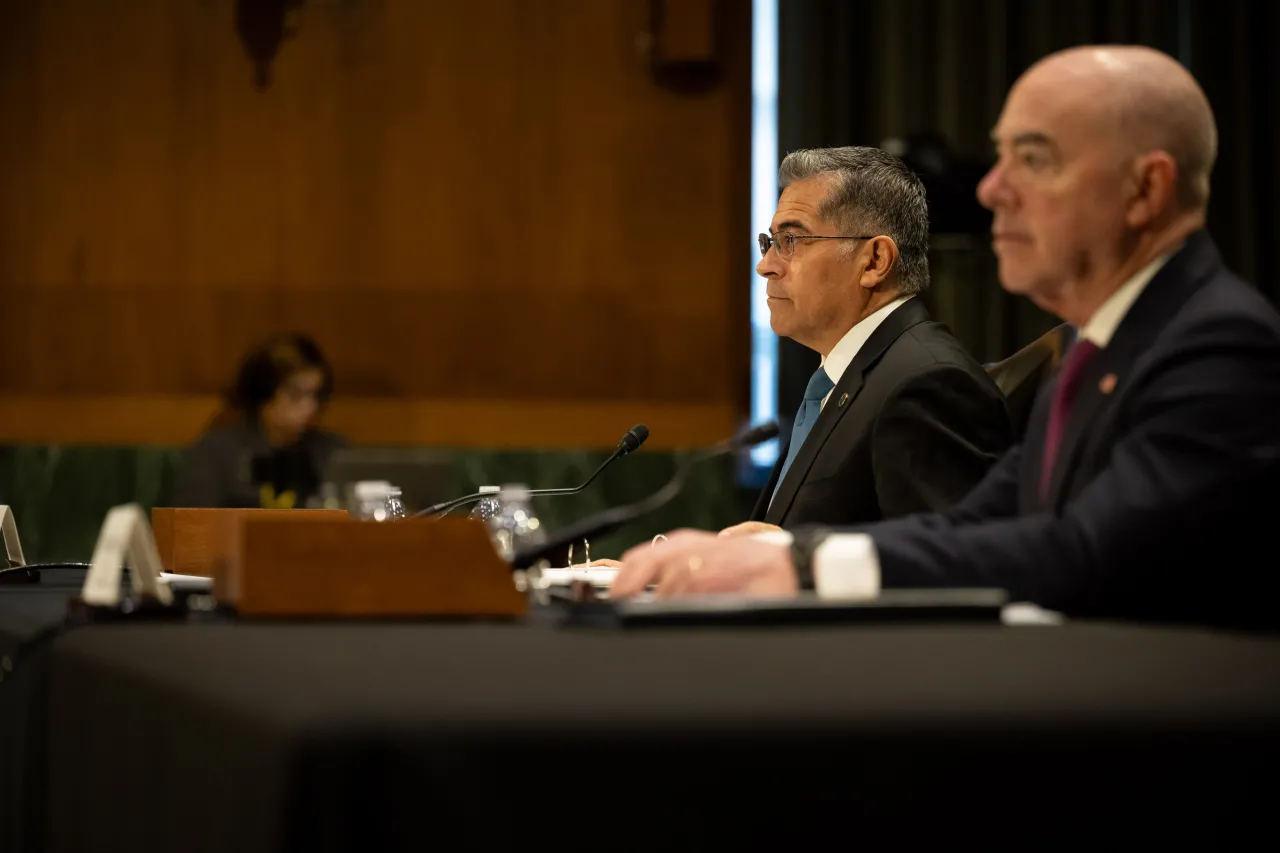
(898,418)
(1145,488)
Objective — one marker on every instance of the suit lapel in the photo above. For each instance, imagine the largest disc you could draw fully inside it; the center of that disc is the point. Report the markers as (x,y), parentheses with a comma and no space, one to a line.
(1090,398)
(761,510)
(1107,374)
(910,313)
(851,384)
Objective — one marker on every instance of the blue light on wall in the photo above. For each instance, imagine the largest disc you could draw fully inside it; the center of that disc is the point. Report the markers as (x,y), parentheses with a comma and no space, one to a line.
(764,197)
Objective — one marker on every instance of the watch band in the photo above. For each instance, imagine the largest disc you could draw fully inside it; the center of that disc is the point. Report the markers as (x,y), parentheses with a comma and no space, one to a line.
(803,544)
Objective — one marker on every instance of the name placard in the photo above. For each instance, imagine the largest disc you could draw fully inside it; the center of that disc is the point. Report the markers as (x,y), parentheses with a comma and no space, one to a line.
(9,531)
(282,565)
(125,540)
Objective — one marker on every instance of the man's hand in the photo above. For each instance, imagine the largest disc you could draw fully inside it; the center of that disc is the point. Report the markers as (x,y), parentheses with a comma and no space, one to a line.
(602,563)
(747,528)
(693,561)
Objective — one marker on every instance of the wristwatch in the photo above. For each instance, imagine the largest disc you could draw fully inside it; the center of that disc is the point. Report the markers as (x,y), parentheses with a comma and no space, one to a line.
(803,543)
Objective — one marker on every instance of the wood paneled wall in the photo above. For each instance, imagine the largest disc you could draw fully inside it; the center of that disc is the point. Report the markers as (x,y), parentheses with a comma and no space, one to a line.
(487,213)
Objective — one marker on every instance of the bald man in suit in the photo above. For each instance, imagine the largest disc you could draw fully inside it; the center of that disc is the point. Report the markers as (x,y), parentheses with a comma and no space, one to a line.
(1145,486)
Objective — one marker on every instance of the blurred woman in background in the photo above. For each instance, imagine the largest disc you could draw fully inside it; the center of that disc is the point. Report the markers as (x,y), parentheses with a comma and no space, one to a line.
(264,450)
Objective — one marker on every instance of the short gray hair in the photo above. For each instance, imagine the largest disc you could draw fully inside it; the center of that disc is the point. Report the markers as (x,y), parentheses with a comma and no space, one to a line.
(872,192)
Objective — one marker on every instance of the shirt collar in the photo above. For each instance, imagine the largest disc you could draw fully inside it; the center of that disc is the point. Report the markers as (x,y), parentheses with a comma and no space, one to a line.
(841,356)
(1104,322)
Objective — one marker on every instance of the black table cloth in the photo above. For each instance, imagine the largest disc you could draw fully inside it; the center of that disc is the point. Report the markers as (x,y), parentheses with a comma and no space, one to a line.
(405,736)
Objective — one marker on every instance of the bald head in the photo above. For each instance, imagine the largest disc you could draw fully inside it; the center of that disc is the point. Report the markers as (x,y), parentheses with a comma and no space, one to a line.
(1104,155)
(1139,100)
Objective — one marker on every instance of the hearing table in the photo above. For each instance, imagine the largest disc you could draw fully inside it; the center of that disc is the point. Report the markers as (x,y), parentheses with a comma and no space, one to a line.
(322,736)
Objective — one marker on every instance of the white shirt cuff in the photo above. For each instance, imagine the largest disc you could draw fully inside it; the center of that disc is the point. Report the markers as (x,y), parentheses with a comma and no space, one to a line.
(845,565)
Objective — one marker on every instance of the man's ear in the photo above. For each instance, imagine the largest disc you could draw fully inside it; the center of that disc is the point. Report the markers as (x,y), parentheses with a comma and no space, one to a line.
(876,261)
(1154,181)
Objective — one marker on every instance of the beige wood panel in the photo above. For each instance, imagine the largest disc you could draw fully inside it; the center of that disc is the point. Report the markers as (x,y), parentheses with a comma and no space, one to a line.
(463,202)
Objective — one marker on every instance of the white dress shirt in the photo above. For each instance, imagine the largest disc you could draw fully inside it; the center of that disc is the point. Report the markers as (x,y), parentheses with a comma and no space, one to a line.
(1104,322)
(842,354)
(846,565)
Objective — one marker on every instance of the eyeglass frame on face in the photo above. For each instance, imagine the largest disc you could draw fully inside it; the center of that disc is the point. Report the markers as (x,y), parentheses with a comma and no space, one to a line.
(767,240)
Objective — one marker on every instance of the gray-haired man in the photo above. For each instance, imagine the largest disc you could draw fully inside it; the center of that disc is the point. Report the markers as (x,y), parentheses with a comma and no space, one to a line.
(898,418)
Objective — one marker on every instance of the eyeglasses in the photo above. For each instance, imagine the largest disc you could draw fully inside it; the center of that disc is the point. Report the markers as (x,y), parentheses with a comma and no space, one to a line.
(784,242)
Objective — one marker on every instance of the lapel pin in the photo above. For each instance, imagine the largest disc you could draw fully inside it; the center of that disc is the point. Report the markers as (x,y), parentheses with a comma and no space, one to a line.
(844,398)
(1108,383)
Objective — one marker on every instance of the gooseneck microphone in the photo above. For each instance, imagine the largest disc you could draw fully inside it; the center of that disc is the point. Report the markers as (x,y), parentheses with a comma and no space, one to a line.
(635,437)
(611,519)
(630,442)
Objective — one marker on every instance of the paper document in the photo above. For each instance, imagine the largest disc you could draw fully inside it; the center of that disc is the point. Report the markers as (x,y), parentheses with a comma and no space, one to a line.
(600,576)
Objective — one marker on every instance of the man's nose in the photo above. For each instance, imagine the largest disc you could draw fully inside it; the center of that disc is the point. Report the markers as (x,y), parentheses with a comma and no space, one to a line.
(770,264)
(993,189)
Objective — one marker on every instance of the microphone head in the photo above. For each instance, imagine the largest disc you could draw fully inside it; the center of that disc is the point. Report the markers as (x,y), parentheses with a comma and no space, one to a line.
(756,435)
(633,439)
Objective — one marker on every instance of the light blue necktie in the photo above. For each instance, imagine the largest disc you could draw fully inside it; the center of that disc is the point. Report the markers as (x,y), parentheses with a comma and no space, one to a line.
(819,386)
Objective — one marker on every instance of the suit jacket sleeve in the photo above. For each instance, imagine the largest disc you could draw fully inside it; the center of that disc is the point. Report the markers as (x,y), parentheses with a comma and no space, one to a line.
(935,438)
(1203,430)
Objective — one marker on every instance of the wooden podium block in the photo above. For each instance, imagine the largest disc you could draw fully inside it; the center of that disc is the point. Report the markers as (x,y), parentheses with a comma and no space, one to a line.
(195,541)
(281,564)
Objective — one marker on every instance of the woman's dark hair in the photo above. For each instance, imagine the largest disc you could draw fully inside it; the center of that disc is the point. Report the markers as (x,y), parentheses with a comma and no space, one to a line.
(266,368)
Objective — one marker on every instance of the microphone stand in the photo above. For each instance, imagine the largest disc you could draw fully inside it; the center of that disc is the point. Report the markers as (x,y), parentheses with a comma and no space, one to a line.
(534,493)
(635,437)
(611,519)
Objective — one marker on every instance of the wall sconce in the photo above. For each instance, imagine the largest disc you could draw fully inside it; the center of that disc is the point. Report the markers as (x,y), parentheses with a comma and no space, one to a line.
(683,44)
(262,26)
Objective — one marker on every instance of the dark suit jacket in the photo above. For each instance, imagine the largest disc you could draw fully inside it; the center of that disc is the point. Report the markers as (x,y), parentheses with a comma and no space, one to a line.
(1162,503)
(1021,376)
(913,425)
(218,470)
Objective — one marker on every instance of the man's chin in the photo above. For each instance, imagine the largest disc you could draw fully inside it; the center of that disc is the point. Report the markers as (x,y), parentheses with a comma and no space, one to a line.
(1044,295)
(1015,280)
(779,317)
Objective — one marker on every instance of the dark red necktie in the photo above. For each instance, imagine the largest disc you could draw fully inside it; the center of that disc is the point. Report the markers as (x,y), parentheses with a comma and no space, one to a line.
(1064,393)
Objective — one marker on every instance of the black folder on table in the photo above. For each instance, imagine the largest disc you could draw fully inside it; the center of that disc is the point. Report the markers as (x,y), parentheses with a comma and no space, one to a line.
(891,606)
